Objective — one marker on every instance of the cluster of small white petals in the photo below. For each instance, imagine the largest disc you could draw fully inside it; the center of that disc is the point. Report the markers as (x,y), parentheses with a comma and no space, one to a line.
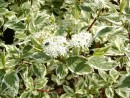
(58,45)
(82,39)
(55,46)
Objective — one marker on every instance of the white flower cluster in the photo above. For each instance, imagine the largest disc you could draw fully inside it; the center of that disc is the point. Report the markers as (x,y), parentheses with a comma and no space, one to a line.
(59,46)
(56,46)
(82,39)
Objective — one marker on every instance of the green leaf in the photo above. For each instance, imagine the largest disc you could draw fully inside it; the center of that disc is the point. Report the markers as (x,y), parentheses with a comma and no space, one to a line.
(3,86)
(76,11)
(82,68)
(125,81)
(68,89)
(99,62)
(36,43)
(61,71)
(86,8)
(3,11)
(103,74)
(27,48)
(123,5)
(1,21)
(66,95)
(78,64)
(57,80)
(109,92)
(79,86)
(40,83)
(60,31)
(25,94)
(89,96)
(127,8)
(36,71)
(29,83)
(54,95)
(101,51)
(114,73)
(15,25)
(3,4)
(40,55)
(11,80)
(39,19)
(76,59)
(39,70)
(102,31)
(118,23)
(32,27)
(122,92)
(2,59)
(2,72)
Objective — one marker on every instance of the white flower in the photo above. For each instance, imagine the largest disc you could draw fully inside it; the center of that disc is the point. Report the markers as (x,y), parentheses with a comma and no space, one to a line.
(55,46)
(82,39)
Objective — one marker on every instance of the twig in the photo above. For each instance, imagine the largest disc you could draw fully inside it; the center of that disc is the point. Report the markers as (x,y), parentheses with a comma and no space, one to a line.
(94,21)
(118,55)
(58,91)
(43,90)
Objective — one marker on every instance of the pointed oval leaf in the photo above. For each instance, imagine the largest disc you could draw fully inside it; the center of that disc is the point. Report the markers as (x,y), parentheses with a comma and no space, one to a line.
(68,89)
(109,92)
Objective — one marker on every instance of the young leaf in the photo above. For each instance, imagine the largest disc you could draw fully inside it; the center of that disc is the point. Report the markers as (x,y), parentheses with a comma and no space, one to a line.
(54,95)
(103,74)
(68,89)
(66,95)
(76,11)
(2,59)
(3,11)
(36,43)
(101,51)
(123,5)
(2,73)
(1,21)
(114,73)
(109,92)
(25,94)
(86,8)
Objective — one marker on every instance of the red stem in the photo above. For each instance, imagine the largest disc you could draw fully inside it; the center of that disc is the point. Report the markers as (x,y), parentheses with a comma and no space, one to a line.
(94,21)
(91,24)
(59,91)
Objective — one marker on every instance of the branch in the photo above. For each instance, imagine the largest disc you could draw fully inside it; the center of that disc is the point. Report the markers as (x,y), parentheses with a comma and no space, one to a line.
(58,91)
(94,21)
(118,55)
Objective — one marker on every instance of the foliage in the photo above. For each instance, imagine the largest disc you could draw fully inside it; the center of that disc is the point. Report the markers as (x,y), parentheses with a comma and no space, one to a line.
(65,49)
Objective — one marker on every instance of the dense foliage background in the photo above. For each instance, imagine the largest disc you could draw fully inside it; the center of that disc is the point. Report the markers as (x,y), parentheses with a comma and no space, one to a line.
(64,49)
